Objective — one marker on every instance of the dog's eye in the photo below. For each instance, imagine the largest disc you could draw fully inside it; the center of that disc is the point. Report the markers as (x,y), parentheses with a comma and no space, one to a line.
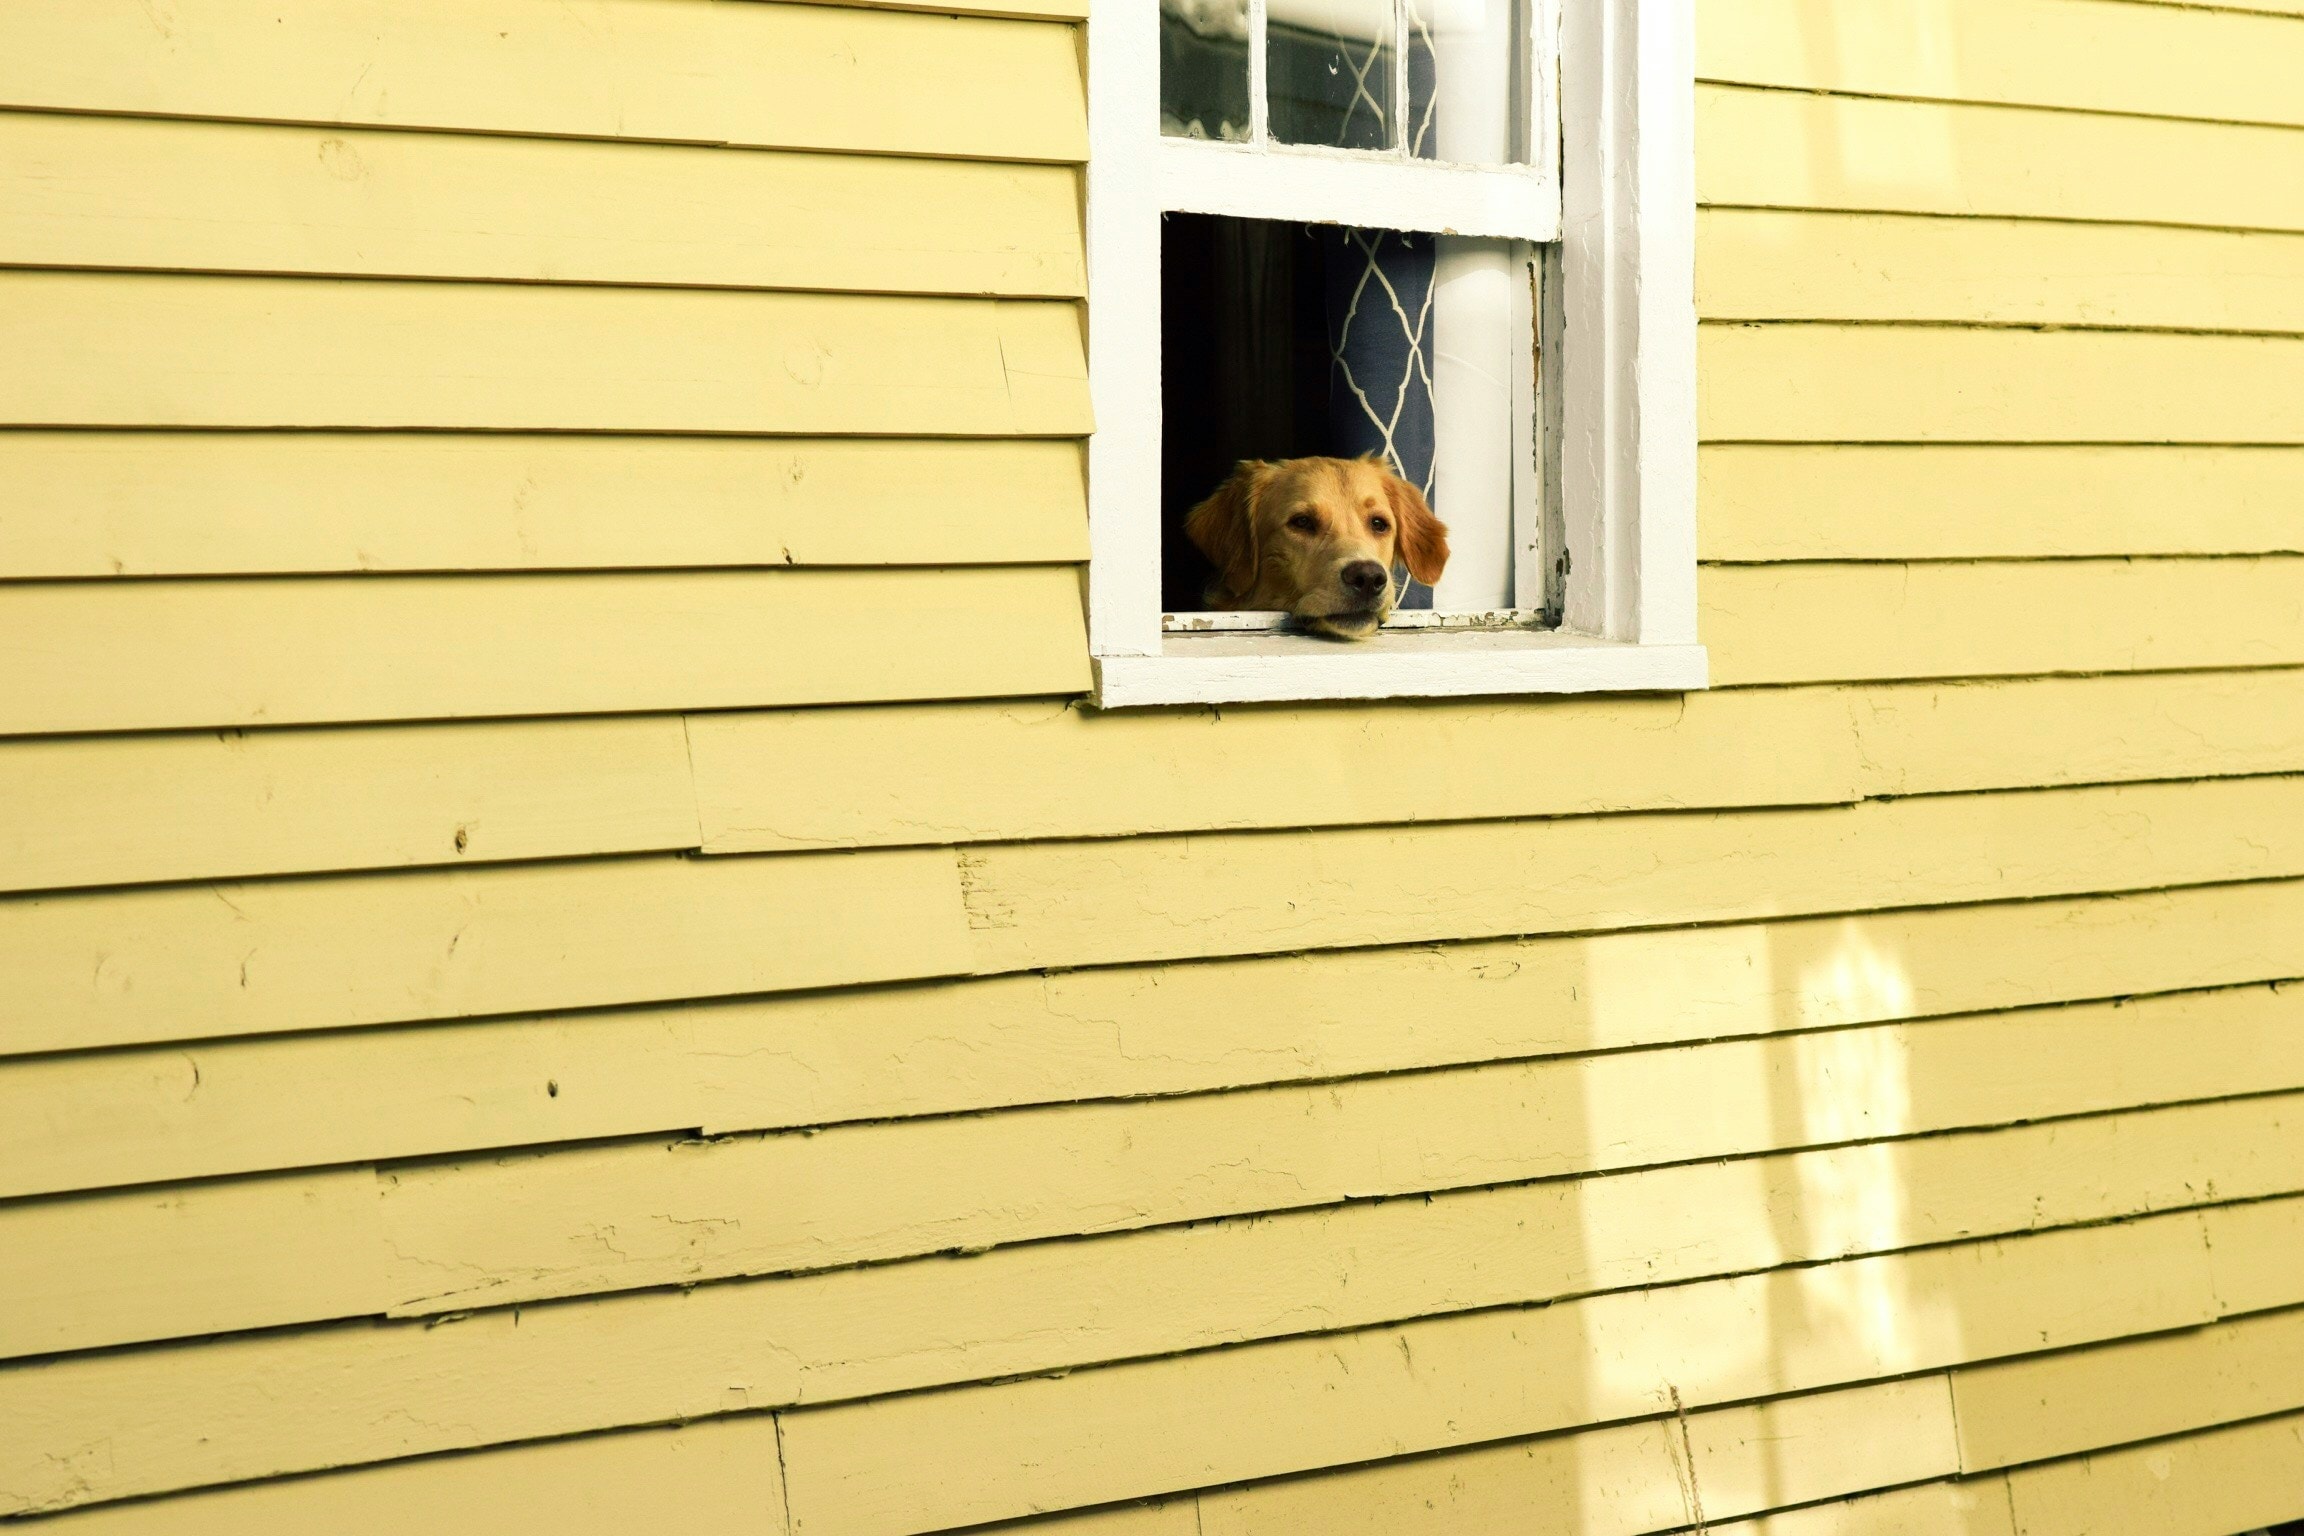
(1380,525)
(1304,522)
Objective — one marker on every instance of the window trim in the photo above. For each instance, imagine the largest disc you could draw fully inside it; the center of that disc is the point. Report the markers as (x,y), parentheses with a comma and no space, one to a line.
(1627,376)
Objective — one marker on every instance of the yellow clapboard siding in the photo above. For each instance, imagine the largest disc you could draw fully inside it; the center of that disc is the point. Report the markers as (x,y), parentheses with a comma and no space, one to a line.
(2253,1255)
(2136,1389)
(1978,1508)
(1912,384)
(119,349)
(790,76)
(183,1416)
(1786,149)
(1171,898)
(582,1222)
(111,656)
(930,1460)
(129,1117)
(196,504)
(1769,501)
(2210,1484)
(221,197)
(1625,1480)
(882,776)
(1808,623)
(79,811)
(717,1478)
(1774,264)
(1964,736)
(182,963)
(2098,57)
(525,1226)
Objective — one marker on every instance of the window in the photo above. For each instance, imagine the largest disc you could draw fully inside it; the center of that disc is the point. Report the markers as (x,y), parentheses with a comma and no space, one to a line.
(1456,234)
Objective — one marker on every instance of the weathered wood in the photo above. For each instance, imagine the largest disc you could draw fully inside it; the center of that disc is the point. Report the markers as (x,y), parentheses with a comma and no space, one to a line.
(2208,1484)
(1795,149)
(123,350)
(788,76)
(224,197)
(1772,501)
(193,962)
(112,656)
(1978,1507)
(1848,622)
(223,504)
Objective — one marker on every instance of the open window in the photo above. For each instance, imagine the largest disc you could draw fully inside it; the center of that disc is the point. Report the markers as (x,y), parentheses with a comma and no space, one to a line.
(1454,235)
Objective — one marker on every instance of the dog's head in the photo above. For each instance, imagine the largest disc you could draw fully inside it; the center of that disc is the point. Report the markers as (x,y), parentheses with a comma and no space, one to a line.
(1318,538)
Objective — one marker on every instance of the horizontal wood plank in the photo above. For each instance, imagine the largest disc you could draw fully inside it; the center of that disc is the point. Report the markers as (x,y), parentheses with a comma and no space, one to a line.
(788,76)
(1848,622)
(2212,64)
(1967,736)
(233,503)
(921,1462)
(2018,1411)
(720,1476)
(1975,1508)
(2212,1484)
(192,961)
(112,656)
(81,811)
(1925,384)
(128,1117)
(184,1416)
(157,350)
(1172,898)
(852,777)
(1791,149)
(1771,501)
(96,192)
(1777,264)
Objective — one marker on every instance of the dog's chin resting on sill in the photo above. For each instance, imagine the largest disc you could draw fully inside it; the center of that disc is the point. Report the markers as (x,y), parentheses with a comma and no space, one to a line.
(1316,539)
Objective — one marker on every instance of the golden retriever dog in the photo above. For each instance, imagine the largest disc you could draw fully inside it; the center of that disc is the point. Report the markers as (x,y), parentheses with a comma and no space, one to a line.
(1317,538)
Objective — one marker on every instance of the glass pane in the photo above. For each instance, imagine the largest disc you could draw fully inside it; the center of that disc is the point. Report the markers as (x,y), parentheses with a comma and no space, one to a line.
(1204,69)
(1467,68)
(1331,65)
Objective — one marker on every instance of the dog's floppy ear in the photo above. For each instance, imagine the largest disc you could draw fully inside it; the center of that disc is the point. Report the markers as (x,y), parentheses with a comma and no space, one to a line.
(1224,528)
(1423,537)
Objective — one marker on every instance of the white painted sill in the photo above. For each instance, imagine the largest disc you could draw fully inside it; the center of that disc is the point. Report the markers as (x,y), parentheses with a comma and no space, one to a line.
(1264,669)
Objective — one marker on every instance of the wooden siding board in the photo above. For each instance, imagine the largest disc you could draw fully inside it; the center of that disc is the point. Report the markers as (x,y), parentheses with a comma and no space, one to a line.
(81,811)
(1827,383)
(203,961)
(1169,898)
(716,1478)
(1777,264)
(94,192)
(2212,1484)
(1769,501)
(245,503)
(2017,1411)
(2198,63)
(888,776)
(787,76)
(1968,736)
(928,1460)
(114,656)
(1812,623)
(1786,149)
(127,1117)
(527,1227)
(1978,1508)
(174,1417)
(2254,1252)
(162,350)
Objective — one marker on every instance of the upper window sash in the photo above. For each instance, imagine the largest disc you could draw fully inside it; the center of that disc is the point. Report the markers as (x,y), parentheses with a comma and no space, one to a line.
(1340,186)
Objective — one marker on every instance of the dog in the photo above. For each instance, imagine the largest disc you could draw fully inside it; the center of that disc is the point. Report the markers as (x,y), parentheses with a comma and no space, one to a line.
(1317,538)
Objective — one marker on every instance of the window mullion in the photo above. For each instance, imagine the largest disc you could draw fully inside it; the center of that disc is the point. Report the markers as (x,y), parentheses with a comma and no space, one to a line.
(1400,108)
(1259,74)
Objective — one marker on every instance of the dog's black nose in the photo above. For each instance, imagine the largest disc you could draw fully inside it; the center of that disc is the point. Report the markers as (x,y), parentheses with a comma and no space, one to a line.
(1365,578)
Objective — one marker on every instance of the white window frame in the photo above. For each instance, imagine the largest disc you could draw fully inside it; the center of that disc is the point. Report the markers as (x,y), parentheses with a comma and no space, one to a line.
(1619,197)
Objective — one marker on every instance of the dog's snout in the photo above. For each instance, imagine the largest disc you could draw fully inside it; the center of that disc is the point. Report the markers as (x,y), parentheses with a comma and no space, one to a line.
(1364,578)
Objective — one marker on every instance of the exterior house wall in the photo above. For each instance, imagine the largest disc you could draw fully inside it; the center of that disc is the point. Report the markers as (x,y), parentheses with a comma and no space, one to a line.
(571,963)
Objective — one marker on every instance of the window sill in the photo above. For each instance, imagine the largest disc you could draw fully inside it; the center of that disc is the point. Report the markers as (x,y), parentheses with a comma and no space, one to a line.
(1257,669)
